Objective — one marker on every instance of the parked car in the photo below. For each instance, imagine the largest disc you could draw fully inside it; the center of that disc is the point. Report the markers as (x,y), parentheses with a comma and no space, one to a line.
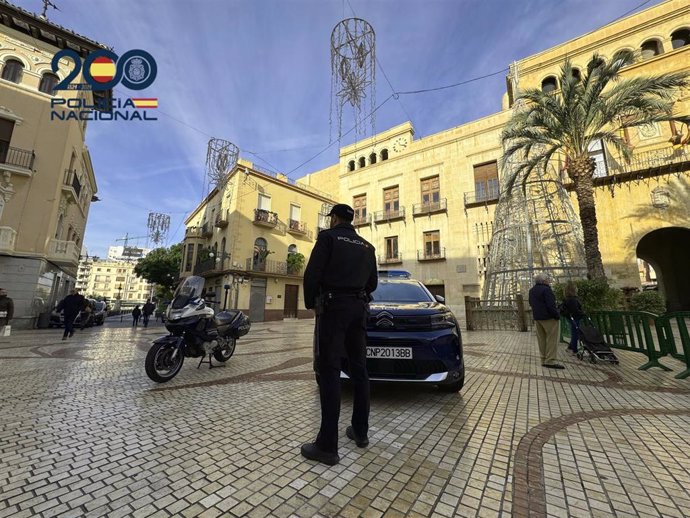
(412,336)
(100,311)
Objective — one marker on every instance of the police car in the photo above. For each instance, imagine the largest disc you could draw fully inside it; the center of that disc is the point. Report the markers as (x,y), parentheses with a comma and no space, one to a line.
(411,335)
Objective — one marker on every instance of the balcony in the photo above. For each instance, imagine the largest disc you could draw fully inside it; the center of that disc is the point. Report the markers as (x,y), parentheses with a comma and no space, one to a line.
(361,221)
(270,267)
(265,218)
(192,232)
(667,160)
(390,259)
(386,216)
(63,252)
(16,160)
(299,228)
(212,265)
(8,237)
(479,198)
(221,222)
(434,207)
(426,255)
(206,230)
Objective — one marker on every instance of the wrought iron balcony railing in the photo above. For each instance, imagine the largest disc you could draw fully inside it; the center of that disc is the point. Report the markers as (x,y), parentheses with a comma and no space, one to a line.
(212,264)
(430,255)
(192,232)
(422,209)
(265,218)
(390,259)
(271,267)
(206,230)
(384,216)
(298,227)
(16,157)
(481,197)
(221,221)
(361,221)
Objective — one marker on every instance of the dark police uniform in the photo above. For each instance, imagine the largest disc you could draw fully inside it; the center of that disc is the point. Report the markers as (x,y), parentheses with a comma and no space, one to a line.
(342,272)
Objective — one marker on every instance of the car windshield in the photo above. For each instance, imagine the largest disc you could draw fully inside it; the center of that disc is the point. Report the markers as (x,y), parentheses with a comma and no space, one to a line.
(401,292)
(192,287)
(100,306)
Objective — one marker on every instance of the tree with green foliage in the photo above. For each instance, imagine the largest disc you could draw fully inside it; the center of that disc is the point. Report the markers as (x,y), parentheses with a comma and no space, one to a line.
(590,107)
(161,266)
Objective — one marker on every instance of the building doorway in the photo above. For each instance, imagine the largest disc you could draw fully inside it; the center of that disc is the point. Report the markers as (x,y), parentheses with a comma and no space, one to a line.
(257,300)
(667,251)
(291,301)
(437,289)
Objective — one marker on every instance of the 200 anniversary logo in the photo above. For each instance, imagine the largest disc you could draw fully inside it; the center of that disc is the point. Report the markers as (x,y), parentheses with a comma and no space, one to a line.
(103,70)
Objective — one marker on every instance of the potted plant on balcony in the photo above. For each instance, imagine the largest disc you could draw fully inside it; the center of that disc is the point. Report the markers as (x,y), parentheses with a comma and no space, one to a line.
(295,263)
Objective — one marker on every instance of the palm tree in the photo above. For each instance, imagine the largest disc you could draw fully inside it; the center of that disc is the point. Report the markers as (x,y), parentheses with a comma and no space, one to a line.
(588,109)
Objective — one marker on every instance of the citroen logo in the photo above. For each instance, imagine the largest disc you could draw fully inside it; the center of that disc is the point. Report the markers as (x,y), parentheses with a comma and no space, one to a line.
(385,320)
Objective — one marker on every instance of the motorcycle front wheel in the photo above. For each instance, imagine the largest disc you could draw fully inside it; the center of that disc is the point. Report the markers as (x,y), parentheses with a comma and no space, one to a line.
(223,354)
(162,364)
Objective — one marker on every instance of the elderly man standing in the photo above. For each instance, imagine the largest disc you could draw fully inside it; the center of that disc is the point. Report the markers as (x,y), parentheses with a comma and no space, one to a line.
(546,319)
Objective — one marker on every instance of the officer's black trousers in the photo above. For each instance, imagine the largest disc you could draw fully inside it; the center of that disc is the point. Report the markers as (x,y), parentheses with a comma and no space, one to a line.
(340,332)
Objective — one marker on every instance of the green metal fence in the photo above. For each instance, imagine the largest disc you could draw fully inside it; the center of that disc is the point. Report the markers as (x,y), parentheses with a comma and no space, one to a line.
(638,331)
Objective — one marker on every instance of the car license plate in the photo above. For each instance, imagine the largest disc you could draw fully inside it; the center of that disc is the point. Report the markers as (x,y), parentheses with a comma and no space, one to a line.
(390,352)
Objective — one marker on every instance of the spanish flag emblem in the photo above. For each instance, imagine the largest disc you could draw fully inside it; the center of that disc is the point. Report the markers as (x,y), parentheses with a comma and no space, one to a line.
(102,69)
(151,102)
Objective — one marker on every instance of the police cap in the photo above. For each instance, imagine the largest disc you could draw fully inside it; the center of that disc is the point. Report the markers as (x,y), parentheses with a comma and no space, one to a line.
(343,211)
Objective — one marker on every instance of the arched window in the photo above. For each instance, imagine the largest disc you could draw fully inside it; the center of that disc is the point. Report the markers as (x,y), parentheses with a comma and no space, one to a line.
(384,154)
(626,55)
(576,74)
(372,158)
(549,84)
(651,48)
(13,70)
(362,162)
(680,38)
(292,249)
(260,254)
(351,165)
(48,82)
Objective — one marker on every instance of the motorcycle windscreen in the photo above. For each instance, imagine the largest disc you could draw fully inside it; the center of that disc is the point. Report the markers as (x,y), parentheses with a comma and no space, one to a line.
(191,288)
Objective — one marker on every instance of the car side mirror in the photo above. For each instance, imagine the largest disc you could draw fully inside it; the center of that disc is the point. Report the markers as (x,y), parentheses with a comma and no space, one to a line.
(440,299)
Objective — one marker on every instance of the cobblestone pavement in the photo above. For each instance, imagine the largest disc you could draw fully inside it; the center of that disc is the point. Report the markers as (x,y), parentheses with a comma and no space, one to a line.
(83,432)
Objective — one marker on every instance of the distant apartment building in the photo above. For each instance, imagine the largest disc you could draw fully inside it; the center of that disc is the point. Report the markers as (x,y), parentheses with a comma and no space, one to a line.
(248,235)
(47,180)
(113,280)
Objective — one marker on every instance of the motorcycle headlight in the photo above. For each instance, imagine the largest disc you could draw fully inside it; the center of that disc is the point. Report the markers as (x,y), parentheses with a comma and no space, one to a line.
(442,321)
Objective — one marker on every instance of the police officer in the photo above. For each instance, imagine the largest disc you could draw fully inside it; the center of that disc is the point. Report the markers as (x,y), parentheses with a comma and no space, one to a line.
(340,276)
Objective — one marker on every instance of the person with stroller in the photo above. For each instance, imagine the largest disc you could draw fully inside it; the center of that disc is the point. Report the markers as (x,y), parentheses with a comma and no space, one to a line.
(572,308)
(136,313)
(546,320)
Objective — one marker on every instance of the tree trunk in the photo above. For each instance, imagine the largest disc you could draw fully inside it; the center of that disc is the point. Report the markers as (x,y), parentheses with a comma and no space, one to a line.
(582,171)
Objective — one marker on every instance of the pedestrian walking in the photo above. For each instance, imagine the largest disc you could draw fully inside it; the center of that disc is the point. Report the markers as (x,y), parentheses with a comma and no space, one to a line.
(339,278)
(572,308)
(6,312)
(71,305)
(546,319)
(136,313)
(147,311)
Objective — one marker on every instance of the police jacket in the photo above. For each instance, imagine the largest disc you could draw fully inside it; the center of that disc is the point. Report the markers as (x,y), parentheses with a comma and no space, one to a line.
(543,303)
(341,261)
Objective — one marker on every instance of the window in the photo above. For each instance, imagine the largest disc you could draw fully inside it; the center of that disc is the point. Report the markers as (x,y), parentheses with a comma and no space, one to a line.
(384,154)
(486,181)
(13,70)
(596,151)
(264,202)
(651,48)
(680,38)
(48,82)
(431,194)
(626,55)
(6,129)
(292,249)
(432,243)
(392,247)
(119,279)
(359,203)
(351,165)
(295,213)
(576,74)
(549,85)
(391,201)
(372,158)
(362,162)
(323,222)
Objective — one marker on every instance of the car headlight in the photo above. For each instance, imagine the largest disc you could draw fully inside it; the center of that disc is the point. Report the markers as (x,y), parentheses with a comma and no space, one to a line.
(442,321)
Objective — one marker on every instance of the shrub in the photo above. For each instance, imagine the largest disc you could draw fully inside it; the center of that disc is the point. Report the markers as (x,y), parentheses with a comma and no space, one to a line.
(594,295)
(295,262)
(650,301)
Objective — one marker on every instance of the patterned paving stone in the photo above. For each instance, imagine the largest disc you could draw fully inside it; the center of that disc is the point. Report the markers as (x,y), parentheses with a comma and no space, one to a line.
(83,432)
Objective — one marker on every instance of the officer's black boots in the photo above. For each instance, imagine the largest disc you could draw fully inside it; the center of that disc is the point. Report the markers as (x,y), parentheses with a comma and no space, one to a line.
(359,441)
(312,452)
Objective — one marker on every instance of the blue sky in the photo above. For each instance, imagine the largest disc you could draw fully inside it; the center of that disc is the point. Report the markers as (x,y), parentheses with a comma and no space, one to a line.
(257,73)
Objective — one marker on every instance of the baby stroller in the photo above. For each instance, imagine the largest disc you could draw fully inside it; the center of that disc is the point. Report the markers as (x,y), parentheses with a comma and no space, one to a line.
(591,343)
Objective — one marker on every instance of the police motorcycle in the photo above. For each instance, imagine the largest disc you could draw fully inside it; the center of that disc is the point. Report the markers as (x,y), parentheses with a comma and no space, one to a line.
(195,332)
